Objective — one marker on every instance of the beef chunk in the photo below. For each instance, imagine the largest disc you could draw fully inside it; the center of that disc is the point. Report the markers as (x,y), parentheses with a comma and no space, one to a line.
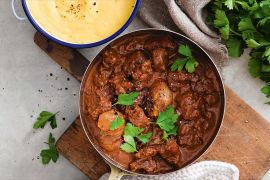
(148,152)
(204,86)
(161,95)
(102,76)
(139,68)
(156,136)
(189,105)
(120,83)
(171,152)
(134,60)
(153,165)
(136,116)
(99,100)
(111,58)
(160,58)
(179,81)
(191,134)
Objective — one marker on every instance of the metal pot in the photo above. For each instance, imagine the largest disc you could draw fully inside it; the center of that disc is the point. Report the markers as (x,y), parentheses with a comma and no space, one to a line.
(179,38)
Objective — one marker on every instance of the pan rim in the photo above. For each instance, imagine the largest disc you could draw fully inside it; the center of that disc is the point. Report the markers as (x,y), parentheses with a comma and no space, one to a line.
(219,122)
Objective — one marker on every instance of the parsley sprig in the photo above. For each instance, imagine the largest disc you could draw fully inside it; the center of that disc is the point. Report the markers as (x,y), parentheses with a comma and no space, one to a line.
(116,123)
(242,24)
(45,117)
(130,133)
(167,122)
(127,99)
(188,62)
(49,154)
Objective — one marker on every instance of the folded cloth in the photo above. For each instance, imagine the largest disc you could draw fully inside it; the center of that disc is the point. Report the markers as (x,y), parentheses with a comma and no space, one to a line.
(205,170)
(186,17)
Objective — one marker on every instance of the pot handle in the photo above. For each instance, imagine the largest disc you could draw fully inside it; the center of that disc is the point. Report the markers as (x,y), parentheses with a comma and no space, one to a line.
(15,13)
(116,173)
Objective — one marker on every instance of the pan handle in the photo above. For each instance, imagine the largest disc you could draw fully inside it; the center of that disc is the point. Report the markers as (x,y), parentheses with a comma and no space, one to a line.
(116,173)
(15,13)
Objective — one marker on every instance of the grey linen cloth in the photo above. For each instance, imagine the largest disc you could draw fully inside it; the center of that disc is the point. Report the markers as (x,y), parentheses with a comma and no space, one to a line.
(185,16)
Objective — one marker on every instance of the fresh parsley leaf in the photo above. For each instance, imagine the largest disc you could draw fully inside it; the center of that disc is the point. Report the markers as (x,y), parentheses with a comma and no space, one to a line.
(145,137)
(178,64)
(165,135)
(256,44)
(254,67)
(167,119)
(235,46)
(45,117)
(49,154)
(266,90)
(171,132)
(263,21)
(221,18)
(185,50)
(265,3)
(265,68)
(127,99)
(267,53)
(251,43)
(46,156)
(191,65)
(128,148)
(130,133)
(230,4)
(132,130)
(189,62)
(246,24)
(222,23)
(130,140)
(117,122)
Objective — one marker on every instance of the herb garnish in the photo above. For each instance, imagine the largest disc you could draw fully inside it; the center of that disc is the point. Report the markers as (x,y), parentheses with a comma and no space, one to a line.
(127,99)
(166,121)
(49,154)
(117,122)
(45,117)
(242,24)
(189,62)
(130,133)
(266,90)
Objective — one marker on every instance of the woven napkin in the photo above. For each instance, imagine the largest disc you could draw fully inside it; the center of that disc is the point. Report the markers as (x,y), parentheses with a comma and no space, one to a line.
(185,16)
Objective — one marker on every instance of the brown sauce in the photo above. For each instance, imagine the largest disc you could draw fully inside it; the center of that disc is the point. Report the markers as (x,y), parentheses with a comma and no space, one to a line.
(142,64)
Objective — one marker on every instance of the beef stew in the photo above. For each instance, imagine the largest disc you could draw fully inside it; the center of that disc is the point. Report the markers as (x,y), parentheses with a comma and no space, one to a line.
(142,64)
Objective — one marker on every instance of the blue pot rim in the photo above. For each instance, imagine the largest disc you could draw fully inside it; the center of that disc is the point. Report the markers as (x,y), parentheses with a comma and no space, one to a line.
(78,46)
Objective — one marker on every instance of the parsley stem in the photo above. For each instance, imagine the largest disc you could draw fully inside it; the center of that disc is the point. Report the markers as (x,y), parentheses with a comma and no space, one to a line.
(236,33)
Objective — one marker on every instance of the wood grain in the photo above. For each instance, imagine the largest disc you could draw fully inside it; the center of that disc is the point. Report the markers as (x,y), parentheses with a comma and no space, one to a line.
(244,139)
(75,146)
(70,59)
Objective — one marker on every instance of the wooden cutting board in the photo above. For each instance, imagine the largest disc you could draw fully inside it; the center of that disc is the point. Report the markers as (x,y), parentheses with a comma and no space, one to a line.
(244,139)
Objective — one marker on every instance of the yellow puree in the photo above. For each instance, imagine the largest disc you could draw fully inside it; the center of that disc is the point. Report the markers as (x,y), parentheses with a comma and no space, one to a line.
(81,21)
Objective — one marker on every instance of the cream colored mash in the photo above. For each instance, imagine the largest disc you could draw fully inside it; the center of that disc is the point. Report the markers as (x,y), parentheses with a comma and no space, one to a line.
(81,21)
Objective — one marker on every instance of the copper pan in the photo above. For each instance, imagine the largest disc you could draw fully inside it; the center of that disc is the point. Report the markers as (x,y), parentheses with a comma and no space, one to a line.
(117,170)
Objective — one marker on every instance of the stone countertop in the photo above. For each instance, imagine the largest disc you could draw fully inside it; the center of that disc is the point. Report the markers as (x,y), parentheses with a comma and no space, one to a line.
(31,82)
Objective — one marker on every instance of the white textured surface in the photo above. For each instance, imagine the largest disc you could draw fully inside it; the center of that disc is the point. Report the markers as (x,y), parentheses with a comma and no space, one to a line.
(24,69)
